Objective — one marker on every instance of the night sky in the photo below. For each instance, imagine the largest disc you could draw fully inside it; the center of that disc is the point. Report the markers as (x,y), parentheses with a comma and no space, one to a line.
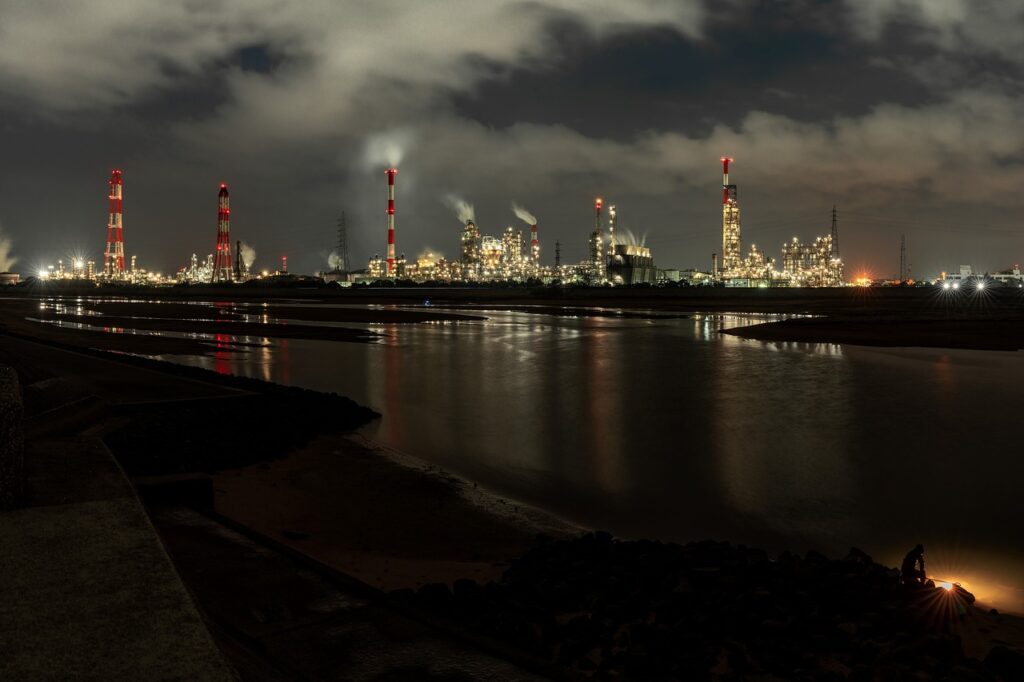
(906,114)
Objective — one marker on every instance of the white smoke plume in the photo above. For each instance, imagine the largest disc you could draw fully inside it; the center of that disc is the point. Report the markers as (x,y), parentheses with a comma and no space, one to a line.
(334,260)
(628,238)
(523,214)
(7,261)
(387,148)
(430,254)
(462,209)
(248,255)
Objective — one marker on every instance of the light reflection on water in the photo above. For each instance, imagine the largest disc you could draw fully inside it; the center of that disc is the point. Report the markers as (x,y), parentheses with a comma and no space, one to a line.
(669,429)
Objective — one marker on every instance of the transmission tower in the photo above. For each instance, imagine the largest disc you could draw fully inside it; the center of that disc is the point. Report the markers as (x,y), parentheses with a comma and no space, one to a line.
(903,258)
(343,243)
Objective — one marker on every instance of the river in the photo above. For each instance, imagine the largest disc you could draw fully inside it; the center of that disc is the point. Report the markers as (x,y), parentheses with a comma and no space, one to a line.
(666,428)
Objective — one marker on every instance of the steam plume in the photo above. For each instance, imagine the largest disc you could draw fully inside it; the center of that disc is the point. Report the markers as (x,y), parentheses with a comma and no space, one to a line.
(7,261)
(524,215)
(334,260)
(386,148)
(630,239)
(462,209)
(248,255)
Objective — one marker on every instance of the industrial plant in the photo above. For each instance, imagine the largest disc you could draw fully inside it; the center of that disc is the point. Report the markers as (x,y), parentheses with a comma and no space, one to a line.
(225,265)
(610,261)
(803,265)
(507,257)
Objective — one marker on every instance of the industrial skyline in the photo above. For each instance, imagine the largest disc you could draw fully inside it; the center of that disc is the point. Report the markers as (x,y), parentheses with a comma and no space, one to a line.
(485,258)
(511,99)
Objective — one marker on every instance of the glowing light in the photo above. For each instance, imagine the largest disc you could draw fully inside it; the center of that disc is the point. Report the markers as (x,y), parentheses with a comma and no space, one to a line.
(43,274)
(956,285)
(945,285)
(981,285)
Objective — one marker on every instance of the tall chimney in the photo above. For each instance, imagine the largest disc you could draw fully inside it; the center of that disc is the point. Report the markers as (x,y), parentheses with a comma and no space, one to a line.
(725,179)
(113,257)
(391,172)
(222,271)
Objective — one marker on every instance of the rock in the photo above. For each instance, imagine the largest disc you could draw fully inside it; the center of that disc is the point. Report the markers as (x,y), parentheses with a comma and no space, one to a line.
(858,556)
(1005,662)
(12,438)
(434,595)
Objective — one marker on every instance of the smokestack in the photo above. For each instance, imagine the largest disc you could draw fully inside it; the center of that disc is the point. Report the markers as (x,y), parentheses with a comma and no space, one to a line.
(284,265)
(725,179)
(714,265)
(113,257)
(611,229)
(391,172)
(534,244)
(222,270)
(238,259)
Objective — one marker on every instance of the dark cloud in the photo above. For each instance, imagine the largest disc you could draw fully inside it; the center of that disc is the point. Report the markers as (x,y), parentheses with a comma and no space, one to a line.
(903,112)
(767,57)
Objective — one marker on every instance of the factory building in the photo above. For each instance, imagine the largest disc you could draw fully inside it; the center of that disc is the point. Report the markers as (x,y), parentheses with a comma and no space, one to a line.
(492,253)
(631,264)
(811,265)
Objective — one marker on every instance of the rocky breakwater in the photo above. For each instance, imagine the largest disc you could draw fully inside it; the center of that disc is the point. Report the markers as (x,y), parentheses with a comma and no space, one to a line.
(12,456)
(599,608)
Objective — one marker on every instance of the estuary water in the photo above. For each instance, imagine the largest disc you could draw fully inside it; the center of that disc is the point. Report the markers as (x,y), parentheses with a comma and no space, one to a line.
(668,429)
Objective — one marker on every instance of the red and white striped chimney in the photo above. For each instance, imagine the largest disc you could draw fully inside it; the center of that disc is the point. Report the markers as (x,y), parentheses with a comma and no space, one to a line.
(725,179)
(391,172)
(113,256)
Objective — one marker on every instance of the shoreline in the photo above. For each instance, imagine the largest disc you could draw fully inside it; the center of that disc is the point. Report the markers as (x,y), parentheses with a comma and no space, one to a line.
(966,334)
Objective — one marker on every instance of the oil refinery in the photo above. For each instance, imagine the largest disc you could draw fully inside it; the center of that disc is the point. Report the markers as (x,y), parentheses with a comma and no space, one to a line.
(614,257)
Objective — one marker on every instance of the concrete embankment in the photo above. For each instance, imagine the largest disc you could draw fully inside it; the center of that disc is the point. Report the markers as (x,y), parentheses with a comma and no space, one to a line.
(12,460)
(87,588)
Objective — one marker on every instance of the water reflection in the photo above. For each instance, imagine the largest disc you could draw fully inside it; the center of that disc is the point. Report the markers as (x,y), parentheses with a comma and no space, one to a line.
(779,429)
(669,429)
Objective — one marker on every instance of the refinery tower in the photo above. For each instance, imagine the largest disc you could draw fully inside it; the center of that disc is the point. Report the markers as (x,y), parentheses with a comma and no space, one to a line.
(731,253)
